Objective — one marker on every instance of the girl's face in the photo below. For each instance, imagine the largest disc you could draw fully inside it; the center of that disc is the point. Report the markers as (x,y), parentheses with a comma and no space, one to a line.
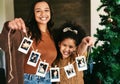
(42,12)
(67,47)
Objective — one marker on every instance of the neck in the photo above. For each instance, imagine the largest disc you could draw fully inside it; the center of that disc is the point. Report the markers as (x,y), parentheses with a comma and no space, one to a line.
(43,28)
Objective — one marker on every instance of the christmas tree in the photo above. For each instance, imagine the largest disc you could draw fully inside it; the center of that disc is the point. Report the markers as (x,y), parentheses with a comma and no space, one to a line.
(106,56)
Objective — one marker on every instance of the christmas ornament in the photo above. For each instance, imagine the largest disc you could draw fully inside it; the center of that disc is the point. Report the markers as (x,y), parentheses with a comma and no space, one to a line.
(110,20)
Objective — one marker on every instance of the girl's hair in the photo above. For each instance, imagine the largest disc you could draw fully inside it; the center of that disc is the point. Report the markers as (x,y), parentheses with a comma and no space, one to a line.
(32,24)
(68,30)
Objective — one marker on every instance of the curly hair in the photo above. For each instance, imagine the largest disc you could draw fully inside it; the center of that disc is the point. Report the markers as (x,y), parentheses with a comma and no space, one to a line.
(71,27)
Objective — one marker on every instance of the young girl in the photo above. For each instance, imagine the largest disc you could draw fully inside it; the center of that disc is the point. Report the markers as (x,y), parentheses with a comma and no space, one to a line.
(69,37)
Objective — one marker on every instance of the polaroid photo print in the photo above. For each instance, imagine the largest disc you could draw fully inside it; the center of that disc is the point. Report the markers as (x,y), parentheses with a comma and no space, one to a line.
(33,58)
(55,74)
(70,71)
(25,45)
(81,63)
(42,69)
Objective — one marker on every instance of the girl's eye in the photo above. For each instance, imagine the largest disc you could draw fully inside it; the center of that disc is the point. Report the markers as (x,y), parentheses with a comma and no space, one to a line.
(64,45)
(70,46)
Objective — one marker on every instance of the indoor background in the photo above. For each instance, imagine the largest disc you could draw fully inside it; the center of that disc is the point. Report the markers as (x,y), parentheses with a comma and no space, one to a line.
(74,10)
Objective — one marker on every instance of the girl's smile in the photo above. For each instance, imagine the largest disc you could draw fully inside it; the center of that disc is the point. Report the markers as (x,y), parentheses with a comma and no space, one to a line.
(67,47)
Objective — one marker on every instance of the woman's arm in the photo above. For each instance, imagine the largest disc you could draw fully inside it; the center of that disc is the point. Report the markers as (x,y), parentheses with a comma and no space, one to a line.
(9,42)
(16,24)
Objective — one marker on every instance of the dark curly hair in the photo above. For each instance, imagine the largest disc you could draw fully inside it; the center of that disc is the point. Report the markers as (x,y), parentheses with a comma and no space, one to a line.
(61,35)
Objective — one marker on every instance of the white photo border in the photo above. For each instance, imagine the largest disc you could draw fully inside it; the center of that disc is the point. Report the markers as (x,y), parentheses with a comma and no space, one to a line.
(45,67)
(58,74)
(22,49)
(67,68)
(83,66)
(37,59)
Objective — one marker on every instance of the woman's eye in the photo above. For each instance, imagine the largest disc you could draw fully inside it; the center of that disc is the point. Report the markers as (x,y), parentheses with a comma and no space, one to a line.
(37,11)
(47,10)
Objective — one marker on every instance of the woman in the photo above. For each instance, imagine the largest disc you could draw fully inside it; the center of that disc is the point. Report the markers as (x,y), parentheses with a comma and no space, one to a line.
(39,28)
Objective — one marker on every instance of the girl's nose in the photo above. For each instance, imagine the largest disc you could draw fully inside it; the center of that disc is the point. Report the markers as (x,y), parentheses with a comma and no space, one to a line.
(67,48)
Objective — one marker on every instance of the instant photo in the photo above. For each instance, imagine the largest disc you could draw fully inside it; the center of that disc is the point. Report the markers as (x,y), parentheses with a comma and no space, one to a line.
(33,58)
(55,74)
(70,71)
(81,63)
(25,45)
(42,69)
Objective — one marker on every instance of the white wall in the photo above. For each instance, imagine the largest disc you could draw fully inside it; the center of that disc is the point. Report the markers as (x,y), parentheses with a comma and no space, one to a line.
(6,11)
(95,19)
(94,16)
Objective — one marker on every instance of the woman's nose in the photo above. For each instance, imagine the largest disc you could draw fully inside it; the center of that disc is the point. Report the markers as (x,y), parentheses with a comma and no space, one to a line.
(42,13)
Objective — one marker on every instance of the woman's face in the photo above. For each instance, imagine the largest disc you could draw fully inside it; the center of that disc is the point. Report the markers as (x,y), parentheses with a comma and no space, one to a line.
(42,12)
(67,47)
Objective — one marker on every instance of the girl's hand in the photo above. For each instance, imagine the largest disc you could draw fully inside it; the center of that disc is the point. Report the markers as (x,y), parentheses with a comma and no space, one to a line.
(86,42)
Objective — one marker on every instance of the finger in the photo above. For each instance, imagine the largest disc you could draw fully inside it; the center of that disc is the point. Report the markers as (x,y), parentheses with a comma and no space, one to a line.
(18,23)
(88,40)
(22,25)
(12,25)
(91,41)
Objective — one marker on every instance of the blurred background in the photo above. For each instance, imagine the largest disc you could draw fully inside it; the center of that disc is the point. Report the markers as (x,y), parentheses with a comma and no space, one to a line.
(74,10)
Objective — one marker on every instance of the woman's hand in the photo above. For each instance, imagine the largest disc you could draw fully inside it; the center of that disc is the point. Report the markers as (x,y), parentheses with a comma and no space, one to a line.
(17,24)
